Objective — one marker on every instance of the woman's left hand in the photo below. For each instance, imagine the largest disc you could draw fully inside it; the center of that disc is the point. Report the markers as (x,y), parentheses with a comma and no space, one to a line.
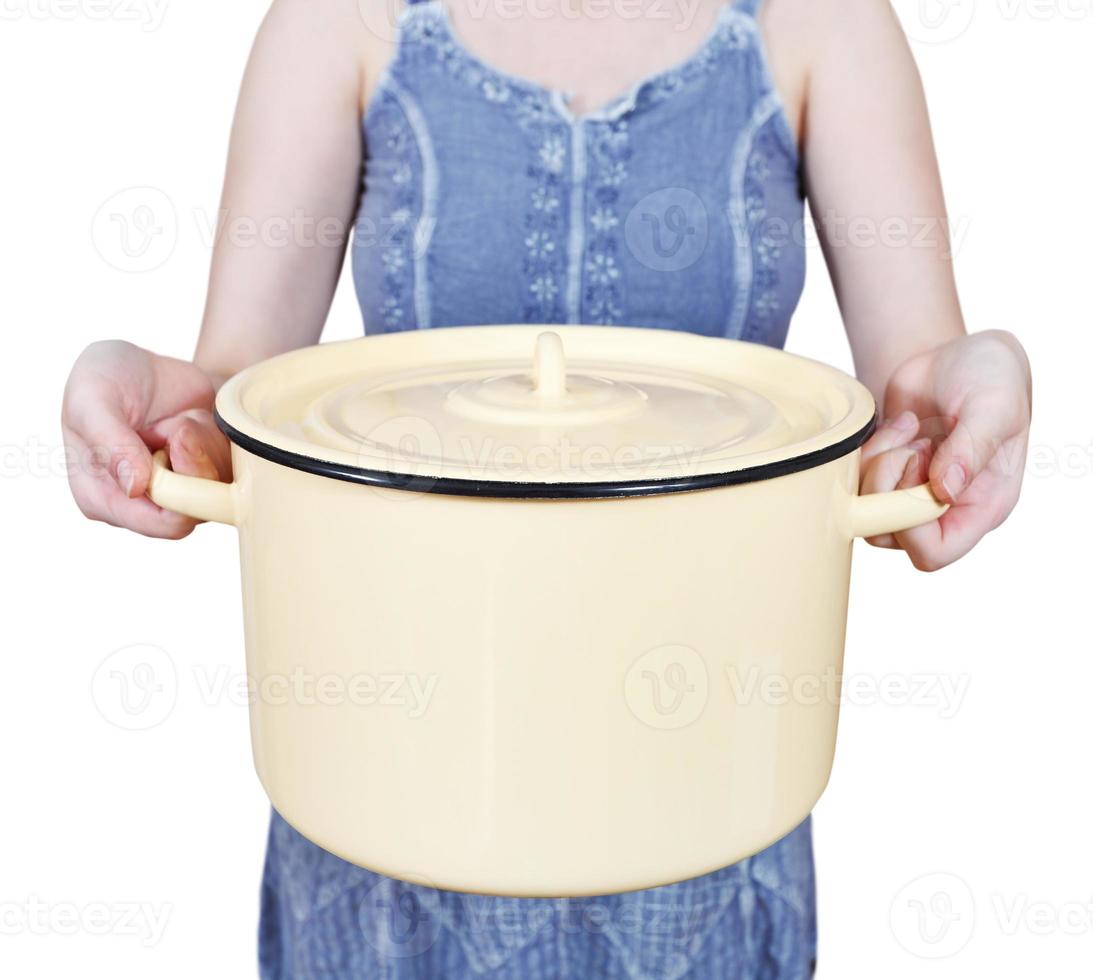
(957,416)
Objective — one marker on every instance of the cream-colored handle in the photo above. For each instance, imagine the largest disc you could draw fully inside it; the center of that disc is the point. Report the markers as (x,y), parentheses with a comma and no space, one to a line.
(205,500)
(897,510)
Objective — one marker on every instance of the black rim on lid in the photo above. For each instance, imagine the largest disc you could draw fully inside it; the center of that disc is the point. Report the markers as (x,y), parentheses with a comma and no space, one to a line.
(462,487)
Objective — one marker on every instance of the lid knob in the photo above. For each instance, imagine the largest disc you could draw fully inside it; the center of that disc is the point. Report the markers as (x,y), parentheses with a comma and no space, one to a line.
(547,396)
(548,374)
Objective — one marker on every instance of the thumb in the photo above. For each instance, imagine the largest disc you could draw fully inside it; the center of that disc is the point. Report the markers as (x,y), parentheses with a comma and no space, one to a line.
(984,422)
(113,449)
(129,459)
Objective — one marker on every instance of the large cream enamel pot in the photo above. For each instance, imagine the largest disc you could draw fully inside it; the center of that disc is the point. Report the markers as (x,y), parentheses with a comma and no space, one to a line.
(542,694)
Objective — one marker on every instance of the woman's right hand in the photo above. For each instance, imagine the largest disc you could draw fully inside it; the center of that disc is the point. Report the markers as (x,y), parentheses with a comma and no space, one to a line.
(121,404)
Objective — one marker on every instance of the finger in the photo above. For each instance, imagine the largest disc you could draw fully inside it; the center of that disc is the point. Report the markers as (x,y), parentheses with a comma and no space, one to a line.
(186,447)
(985,421)
(898,469)
(982,507)
(195,445)
(893,432)
(925,541)
(100,499)
(144,517)
(107,443)
(933,546)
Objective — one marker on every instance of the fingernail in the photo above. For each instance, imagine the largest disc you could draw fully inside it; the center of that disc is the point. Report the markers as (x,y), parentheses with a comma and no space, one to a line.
(953,480)
(904,421)
(126,476)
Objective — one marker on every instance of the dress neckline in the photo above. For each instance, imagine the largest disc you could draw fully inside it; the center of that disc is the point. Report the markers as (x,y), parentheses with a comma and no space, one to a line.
(614,107)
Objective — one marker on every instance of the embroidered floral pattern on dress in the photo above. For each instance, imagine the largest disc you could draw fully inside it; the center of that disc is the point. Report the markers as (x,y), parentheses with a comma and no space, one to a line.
(553,253)
(766,237)
(543,241)
(396,238)
(608,153)
(548,136)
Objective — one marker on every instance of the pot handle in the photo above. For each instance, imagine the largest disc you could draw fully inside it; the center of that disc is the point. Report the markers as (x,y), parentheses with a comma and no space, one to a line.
(204,500)
(897,510)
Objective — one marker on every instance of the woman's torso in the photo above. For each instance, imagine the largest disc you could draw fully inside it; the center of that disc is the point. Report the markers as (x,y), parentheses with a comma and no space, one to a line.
(487,200)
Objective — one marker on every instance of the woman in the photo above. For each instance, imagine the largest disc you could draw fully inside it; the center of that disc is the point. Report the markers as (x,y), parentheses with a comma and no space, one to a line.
(626,162)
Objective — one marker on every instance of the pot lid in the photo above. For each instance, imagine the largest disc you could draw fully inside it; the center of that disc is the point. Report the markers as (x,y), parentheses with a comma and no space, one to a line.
(545,411)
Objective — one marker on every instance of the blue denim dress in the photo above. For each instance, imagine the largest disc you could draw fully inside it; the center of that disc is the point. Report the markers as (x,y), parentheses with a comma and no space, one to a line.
(486,200)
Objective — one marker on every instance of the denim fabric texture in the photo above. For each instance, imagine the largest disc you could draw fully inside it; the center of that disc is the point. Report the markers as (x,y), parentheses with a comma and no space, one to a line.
(325,918)
(676,206)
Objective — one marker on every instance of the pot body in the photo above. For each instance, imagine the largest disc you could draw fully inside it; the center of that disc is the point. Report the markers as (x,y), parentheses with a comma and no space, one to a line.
(544,697)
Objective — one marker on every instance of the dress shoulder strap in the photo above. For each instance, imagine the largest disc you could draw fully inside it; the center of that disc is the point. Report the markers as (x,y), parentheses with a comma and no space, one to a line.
(749,7)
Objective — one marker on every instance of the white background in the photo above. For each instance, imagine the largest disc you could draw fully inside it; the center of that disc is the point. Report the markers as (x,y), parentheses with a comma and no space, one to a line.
(976,817)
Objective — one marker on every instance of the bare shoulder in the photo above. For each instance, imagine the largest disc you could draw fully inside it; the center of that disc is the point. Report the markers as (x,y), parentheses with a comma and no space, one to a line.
(818,23)
(811,41)
(351,39)
(809,34)
(318,19)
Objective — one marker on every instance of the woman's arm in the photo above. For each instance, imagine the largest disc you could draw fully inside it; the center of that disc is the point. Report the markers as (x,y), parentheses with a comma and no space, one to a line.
(290,193)
(875,195)
(291,187)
